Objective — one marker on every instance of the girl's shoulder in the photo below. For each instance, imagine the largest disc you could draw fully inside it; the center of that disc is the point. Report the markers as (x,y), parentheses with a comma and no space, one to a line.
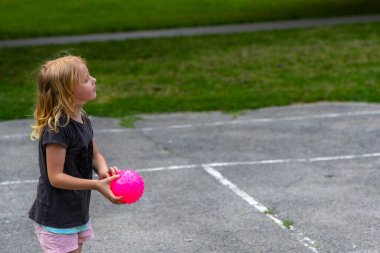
(68,131)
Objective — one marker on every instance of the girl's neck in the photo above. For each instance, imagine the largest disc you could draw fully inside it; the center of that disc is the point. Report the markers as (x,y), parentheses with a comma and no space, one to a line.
(77,116)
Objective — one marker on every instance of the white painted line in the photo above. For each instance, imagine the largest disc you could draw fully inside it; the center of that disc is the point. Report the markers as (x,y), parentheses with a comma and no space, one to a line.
(260,207)
(256,162)
(223,123)
(176,167)
(230,164)
(18,182)
(301,160)
(13,136)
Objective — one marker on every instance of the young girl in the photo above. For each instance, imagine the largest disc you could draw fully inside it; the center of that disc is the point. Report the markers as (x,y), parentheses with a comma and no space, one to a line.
(67,156)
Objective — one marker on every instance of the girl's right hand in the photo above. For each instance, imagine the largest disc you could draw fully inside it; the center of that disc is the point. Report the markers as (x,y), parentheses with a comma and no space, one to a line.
(103,186)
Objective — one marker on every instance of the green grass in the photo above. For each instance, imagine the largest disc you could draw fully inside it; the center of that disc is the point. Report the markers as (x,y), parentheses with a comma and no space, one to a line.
(128,121)
(46,18)
(288,224)
(270,212)
(229,72)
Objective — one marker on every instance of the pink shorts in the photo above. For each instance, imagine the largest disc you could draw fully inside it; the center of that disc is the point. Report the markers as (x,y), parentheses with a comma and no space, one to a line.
(58,243)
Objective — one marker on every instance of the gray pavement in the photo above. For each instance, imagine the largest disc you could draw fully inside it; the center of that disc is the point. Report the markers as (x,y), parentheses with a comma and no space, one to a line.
(209,176)
(191,31)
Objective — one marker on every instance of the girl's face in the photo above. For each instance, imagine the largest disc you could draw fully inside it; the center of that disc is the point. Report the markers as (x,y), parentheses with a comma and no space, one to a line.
(86,89)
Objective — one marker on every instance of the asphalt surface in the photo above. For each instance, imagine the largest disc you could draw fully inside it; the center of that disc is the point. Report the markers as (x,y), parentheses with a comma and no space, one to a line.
(192,31)
(209,177)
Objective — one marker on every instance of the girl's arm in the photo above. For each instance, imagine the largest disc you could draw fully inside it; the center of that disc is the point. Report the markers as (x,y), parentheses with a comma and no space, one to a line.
(100,164)
(55,160)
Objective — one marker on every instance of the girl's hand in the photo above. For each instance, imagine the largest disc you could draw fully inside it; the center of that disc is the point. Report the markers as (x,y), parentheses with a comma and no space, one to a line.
(111,172)
(103,186)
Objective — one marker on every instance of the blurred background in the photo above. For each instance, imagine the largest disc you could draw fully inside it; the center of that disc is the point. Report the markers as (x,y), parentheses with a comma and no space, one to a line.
(227,73)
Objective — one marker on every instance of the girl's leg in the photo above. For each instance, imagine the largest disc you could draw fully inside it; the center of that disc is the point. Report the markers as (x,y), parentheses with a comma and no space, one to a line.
(80,247)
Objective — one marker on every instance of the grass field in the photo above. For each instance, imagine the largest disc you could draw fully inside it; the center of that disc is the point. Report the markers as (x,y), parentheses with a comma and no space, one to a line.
(229,72)
(46,18)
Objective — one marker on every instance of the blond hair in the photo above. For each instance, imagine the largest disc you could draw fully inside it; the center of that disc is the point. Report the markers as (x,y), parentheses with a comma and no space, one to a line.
(55,99)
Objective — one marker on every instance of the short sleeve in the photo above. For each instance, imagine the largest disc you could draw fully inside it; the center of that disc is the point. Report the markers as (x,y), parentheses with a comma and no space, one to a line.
(52,137)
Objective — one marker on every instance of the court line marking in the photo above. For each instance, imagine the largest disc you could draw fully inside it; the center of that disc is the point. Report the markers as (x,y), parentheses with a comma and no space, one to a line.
(18,182)
(230,164)
(260,207)
(263,162)
(223,123)
(209,168)
(224,181)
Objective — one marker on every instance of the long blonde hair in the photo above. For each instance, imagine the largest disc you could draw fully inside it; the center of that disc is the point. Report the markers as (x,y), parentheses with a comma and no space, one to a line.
(55,99)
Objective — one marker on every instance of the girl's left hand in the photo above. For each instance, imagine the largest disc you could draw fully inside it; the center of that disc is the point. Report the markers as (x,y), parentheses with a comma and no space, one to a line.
(113,170)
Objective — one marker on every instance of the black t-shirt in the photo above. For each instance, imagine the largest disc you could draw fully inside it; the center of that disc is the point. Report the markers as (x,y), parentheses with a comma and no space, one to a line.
(61,208)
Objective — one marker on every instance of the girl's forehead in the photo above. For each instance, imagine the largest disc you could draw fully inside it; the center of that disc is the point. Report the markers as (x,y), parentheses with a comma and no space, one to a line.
(83,68)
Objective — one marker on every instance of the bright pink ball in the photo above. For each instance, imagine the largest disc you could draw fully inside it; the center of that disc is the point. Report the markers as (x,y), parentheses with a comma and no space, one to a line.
(130,185)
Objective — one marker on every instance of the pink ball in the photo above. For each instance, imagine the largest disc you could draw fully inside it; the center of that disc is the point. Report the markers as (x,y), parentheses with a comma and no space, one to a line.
(130,185)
